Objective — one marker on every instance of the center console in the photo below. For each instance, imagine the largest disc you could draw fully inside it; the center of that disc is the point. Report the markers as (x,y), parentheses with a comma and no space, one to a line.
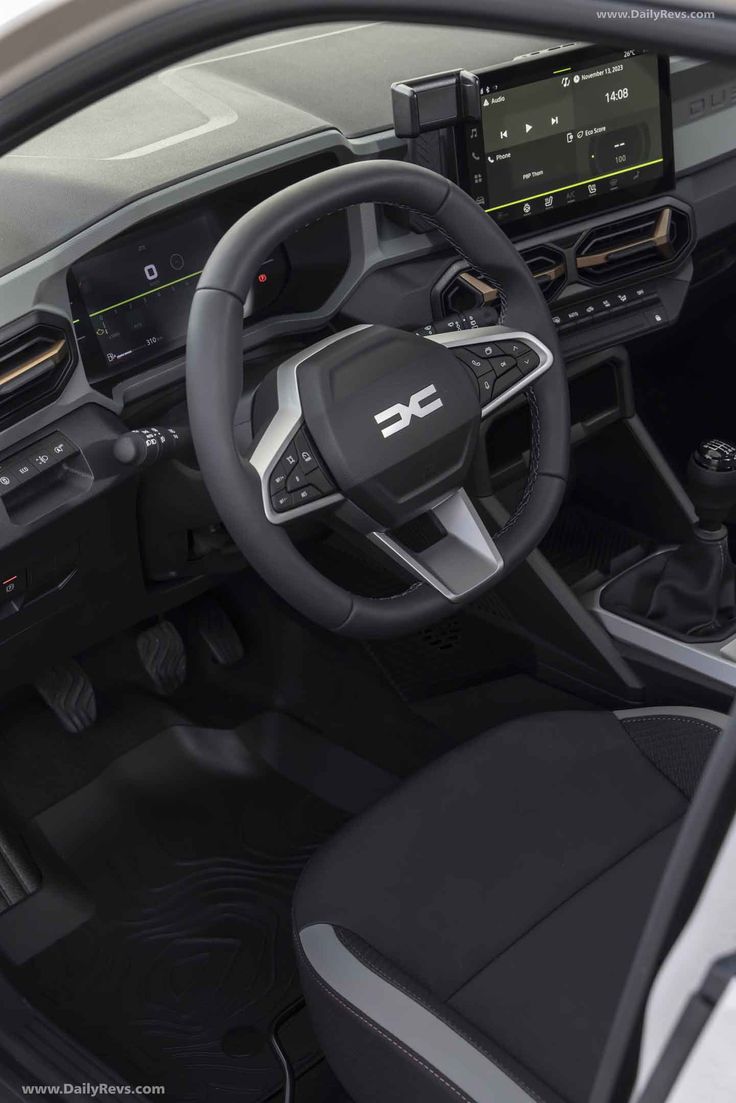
(570,151)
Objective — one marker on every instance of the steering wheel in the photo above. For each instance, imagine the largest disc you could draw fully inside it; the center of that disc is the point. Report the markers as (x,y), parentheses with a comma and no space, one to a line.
(375,428)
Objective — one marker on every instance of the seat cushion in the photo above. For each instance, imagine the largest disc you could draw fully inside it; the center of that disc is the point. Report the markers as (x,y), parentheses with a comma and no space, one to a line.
(502,890)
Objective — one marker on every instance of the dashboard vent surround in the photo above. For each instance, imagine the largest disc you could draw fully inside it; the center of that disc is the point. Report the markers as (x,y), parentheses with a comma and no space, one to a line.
(36,358)
(646,241)
(547,265)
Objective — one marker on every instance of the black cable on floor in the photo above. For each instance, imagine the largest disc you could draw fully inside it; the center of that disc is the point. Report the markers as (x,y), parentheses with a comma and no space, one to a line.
(280,1021)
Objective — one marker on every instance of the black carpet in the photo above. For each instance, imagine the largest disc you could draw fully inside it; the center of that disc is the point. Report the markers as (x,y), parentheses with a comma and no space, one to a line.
(190,847)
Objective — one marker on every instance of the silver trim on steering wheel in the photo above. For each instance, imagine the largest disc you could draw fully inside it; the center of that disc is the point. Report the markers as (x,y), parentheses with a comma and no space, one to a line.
(460,561)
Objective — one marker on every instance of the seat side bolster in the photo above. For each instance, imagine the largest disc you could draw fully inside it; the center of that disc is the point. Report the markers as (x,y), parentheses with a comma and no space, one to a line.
(685,712)
(467,1072)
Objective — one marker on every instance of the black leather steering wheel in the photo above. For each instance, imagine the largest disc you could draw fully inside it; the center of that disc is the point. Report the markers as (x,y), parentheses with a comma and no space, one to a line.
(376,428)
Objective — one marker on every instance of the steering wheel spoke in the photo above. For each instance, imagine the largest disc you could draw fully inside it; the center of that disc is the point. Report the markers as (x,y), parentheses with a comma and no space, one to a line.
(448,547)
(504,361)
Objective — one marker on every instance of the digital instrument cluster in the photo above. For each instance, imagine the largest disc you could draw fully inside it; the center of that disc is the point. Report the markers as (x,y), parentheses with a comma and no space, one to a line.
(132,298)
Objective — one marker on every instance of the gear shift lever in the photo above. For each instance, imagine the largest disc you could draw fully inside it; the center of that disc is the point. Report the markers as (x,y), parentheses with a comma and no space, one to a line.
(711,483)
(691,590)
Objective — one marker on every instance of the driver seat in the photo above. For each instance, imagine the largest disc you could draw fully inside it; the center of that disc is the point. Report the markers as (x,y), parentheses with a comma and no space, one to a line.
(468,938)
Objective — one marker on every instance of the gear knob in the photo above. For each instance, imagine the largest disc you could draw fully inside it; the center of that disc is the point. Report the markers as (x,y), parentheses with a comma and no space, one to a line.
(711,481)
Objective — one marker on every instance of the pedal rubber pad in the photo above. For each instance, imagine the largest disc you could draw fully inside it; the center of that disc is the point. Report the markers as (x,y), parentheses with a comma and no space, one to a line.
(219,633)
(68,692)
(161,651)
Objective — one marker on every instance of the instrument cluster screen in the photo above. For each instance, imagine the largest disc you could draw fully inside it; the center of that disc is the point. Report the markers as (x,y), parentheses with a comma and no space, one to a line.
(134,295)
(570,133)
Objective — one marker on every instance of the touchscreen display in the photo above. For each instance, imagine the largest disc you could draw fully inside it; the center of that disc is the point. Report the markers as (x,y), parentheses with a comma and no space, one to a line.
(563,135)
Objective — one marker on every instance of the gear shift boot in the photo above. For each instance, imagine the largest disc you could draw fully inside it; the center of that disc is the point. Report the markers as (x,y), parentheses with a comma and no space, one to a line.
(690,591)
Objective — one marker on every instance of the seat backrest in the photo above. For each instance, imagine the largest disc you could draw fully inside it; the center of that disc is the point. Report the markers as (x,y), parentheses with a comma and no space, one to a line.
(688,928)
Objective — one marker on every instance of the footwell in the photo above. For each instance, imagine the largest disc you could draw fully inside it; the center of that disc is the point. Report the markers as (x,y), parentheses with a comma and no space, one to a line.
(189,847)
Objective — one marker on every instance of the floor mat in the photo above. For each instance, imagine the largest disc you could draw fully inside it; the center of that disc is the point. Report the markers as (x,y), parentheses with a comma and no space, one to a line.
(190,847)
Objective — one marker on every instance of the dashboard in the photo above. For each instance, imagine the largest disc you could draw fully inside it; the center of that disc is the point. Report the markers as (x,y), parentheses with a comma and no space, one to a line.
(617,212)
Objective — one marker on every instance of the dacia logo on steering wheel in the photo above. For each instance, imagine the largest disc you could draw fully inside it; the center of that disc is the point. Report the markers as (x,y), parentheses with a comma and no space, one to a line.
(414,408)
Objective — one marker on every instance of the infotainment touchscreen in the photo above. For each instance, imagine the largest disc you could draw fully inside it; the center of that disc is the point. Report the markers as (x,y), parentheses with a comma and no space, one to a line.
(569,133)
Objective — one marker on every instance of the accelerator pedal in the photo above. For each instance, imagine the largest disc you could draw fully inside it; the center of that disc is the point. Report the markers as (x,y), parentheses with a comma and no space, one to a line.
(219,633)
(68,692)
(161,651)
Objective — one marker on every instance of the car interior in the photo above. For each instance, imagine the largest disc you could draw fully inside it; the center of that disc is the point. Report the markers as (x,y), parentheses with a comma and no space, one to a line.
(368,612)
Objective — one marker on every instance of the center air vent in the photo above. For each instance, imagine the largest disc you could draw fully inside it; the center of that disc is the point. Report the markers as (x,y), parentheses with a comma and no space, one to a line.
(642,243)
(547,265)
(36,357)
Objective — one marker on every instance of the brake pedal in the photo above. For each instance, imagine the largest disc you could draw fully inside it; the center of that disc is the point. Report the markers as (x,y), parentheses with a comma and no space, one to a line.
(68,692)
(161,651)
(219,633)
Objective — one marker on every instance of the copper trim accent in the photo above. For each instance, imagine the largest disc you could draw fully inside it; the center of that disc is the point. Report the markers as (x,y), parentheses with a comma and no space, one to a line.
(550,274)
(489,294)
(29,365)
(660,239)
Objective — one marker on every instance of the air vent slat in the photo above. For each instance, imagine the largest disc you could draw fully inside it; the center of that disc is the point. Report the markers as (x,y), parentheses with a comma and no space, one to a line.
(547,265)
(632,246)
(35,361)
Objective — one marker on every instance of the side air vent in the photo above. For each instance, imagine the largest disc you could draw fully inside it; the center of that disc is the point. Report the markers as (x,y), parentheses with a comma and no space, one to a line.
(547,265)
(36,358)
(632,246)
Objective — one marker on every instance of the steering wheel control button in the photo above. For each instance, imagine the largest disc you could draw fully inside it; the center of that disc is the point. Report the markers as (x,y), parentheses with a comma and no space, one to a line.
(486,383)
(476,363)
(513,348)
(296,479)
(502,364)
(307,459)
(506,381)
(528,362)
(305,495)
(283,501)
(488,350)
(290,458)
(277,482)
